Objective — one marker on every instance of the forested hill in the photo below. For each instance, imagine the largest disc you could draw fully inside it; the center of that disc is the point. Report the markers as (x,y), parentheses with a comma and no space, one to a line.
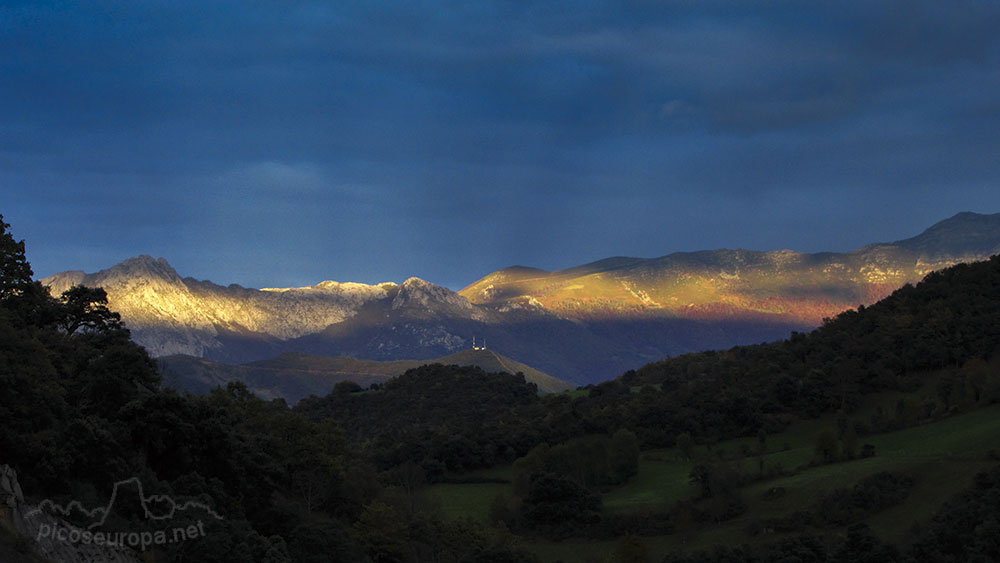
(947,320)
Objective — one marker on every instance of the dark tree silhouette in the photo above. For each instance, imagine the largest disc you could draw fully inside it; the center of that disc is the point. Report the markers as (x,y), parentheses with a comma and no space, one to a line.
(87,308)
(15,271)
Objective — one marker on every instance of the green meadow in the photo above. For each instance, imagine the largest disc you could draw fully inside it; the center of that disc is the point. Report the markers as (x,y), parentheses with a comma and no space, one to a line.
(942,457)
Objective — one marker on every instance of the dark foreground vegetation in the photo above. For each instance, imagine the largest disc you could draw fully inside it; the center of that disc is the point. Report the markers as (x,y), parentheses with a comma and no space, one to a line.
(346,477)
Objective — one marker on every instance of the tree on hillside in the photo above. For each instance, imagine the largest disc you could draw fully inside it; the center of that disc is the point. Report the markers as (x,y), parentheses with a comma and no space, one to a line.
(15,271)
(347,386)
(827,446)
(558,505)
(624,455)
(685,444)
(27,300)
(87,308)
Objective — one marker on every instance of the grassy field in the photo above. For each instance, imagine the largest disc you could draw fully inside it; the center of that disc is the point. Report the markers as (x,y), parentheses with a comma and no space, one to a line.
(943,457)
(661,482)
(470,500)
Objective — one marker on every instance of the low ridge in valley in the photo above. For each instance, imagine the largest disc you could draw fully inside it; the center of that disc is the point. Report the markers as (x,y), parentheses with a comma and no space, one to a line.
(294,376)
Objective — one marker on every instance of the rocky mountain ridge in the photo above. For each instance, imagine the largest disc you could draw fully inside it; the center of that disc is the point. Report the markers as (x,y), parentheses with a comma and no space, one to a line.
(582,324)
(781,285)
(172,315)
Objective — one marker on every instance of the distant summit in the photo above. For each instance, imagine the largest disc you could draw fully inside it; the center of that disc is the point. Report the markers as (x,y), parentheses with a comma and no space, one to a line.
(963,235)
(144,266)
(140,267)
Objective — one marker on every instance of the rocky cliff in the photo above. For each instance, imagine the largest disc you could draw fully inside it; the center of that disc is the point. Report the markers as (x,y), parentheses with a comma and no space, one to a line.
(172,315)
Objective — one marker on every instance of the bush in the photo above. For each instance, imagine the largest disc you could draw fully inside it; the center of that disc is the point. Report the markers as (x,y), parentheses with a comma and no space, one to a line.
(558,507)
(345,387)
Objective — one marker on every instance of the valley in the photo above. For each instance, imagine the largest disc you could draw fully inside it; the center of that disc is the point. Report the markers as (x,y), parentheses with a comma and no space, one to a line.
(874,434)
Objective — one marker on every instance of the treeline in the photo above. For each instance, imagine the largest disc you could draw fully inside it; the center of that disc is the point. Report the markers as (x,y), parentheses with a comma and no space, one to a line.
(966,528)
(841,507)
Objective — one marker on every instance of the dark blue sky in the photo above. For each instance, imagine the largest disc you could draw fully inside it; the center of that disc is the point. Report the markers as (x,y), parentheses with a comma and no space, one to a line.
(284,143)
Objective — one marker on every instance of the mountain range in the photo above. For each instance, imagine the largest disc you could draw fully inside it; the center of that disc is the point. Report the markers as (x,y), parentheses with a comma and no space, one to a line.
(583,324)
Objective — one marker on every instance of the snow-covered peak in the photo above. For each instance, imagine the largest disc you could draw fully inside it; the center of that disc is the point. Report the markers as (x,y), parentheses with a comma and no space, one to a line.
(340,288)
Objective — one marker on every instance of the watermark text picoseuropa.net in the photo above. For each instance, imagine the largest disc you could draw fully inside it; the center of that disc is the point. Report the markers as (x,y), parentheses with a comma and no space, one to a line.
(136,540)
(160,511)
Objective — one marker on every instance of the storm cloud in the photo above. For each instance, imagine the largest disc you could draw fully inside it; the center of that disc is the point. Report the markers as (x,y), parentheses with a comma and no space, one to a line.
(284,143)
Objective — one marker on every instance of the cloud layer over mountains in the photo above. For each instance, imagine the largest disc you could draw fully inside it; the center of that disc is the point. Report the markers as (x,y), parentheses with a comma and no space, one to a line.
(277,144)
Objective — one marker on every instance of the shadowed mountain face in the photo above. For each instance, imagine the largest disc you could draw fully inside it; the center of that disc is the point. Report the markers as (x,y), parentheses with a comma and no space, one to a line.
(584,324)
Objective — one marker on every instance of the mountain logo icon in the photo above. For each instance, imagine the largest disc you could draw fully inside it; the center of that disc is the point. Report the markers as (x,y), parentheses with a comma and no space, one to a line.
(125,493)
